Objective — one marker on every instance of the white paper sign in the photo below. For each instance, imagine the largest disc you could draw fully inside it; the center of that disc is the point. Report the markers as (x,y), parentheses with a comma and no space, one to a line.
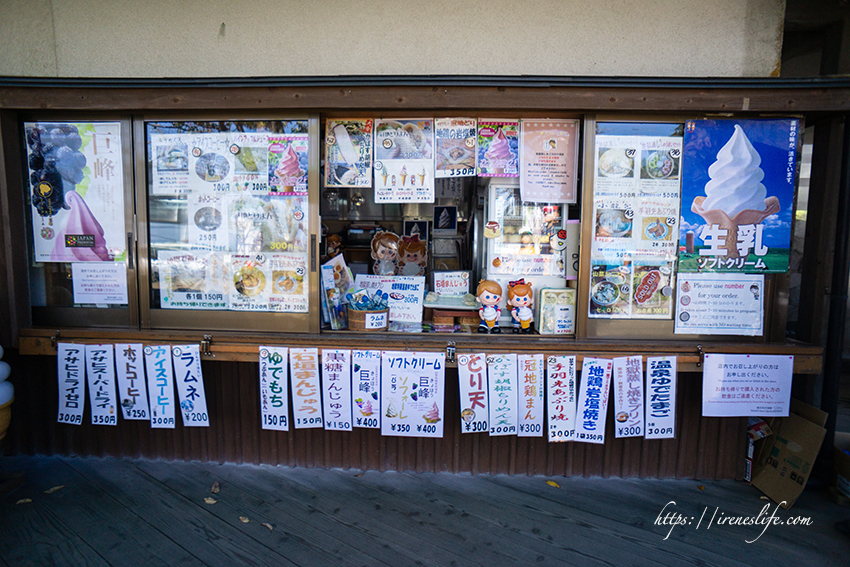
(472,380)
(561,397)
(190,385)
(720,304)
(207,219)
(306,395)
(71,370)
(661,397)
(530,389)
(736,385)
(100,372)
(404,161)
(211,163)
(376,320)
(160,386)
(366,387)
(274,396)
(132,387)
(104,283)
(502,389)
(406,294)
(628,396)
(592,407)
(451,284)
(336,389)
(412,393)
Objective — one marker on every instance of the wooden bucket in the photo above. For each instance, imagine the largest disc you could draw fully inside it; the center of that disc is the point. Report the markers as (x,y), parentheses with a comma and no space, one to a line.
(368,320)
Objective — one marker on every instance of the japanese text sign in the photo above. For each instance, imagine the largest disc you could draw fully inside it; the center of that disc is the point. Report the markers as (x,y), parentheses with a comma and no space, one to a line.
(412,393)
(100,370)
(472,381)
(366,388)
(336,389)
(190,385)
(592,407)
(274,388)
(561,397)
(736,385)
(132,387)
(660,397)
(502,383)
(71,371)
(530,395)
(160,386)
(306,395)
(628,396)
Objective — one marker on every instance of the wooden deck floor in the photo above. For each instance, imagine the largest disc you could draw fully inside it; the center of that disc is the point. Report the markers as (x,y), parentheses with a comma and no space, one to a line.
(140,513)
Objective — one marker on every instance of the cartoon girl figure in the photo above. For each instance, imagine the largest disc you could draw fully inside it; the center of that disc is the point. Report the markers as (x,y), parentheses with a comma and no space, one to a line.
(412,256)
(334,245)
(489,294)
(385,253)
(521,298)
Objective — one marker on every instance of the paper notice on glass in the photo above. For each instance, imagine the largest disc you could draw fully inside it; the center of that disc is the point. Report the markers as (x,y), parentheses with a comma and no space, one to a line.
(190,280)
(190,385)
(250,161)
(160,374)
(71,371)
(211,167)
(170,164)
(100,373)
(561,397)
(263,223)
(720,304)
(207,218)
(77,205)
(530,395)
(739,385)
(548,153)
(250,283)
(472,379)
(628,396)
(289,286)
(336,389)
(449,188)
(413,393)
(288,163)
(348,153)
(100,283)
(661,397)
(366,388)
(404,161)
(274,388)
(406,294)
(502,390)
(455,152)
(498,148)
(592,405)
(306,394)
(132,386)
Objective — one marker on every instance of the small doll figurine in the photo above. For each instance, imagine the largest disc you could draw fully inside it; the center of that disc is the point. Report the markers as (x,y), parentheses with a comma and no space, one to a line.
(334,243)
(489,293)
(412,256)
(521,298)
(385,253)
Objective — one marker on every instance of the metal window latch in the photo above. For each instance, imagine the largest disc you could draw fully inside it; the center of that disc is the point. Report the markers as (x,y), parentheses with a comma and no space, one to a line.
(701,356)
(450,352)
(54,339)
(205,346)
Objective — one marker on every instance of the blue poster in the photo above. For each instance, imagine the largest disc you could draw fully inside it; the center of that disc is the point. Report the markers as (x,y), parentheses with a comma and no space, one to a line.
(738,179)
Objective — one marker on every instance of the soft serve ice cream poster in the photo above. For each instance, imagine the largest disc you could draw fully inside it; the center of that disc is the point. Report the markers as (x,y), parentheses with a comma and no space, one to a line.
(412,393)
(738,181)
(498,148)
(76,191)
(404,161)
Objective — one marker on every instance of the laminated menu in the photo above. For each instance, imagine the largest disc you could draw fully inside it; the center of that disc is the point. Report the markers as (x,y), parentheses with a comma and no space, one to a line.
(498,148)
(455,140)
(348,152)
(404,161)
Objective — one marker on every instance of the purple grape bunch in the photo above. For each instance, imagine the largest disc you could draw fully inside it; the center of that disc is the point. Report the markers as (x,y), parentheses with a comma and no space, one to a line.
(55,163)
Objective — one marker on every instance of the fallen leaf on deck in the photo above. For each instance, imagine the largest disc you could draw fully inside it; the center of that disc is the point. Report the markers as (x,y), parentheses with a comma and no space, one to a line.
(215,488)
(54,489)
(269,526)
(209,500)
(24,501)
(243,519)
(552,483)
(701,487)
(360,474)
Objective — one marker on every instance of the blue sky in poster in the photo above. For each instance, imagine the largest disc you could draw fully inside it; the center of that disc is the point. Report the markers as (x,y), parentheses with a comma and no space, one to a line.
(772,139)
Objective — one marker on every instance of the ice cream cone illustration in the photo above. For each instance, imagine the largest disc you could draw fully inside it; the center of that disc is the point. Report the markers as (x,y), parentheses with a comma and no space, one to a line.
(288,169)
(422,176)
(383,171)
(403,174)
(499,153)
(730,225)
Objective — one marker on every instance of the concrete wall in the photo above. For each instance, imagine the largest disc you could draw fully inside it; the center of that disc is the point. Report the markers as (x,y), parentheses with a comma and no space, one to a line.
(227,38)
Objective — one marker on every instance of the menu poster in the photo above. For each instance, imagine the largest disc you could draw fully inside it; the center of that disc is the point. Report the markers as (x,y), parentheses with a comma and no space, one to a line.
(530,395)
(250,161)
(404,161)
(738,195)
(103,283)
(71,374)
(77,205)
(170,167)
(498,148)
(306,397)
(548,153)
(336,389)
(211,163)
(472,382)
(455,151)
(561,397)
(652,290)
(406,294)
(366,387)
(289,291)
(207,219)
(190,280)
(132,387)
(739,385)
(190,385)
(720,304)
(502,389)
(628,396)
(660,397)
(413,393)
(592,406)
(288,163)
(263,223)
(100,372)
(348,152)
(274,397)
(610,290)
(160,374)
(250,283)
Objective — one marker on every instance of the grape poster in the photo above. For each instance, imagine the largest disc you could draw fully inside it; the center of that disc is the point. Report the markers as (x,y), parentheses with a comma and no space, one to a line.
(76,184)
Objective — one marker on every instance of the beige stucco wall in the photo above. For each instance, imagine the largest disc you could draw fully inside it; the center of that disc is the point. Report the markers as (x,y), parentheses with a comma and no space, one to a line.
(227,38)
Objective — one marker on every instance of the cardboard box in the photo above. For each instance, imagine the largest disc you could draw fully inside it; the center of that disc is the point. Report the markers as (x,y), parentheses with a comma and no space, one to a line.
(784,462)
